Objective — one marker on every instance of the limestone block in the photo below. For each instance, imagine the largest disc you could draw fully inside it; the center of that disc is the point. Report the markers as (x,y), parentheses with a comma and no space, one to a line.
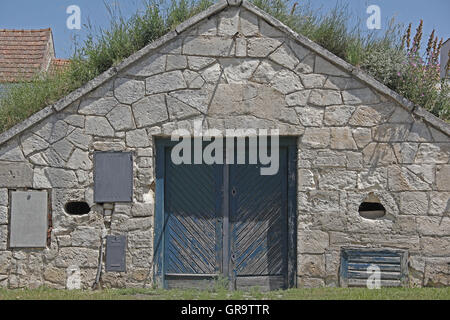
(373,178)
(402,179)
(367,116)
(437,246)
(285,57)
(208,27)
(306,66)
(329,158)
(249,23)
(79,160)
(414,203)
(88,237)
(433,153)
(419,133)
(176,62)
(98,126)
(376,154)
(313,81)
(238,70)
(63,148)
(97,107)
(228,21)
(359,96)
(150,110)
(268,30)
(337,179)
(443,177)
(406,151)
(4,197)
(342,83)
(306,180)
(401,115)
(316,137)
(165,82)
(61,178)
(321,97)
(341,138)
(299,98)
(391,132)
(198,63)
(261,47)
(152,64)
(286,82)
(82,257)
(325,67)
(362,136)
(208,46)
(55,275)
(179,110)
(241,47)
(142,209)
(311,265)
(338,115)
(310,116)
(434,226)
(137,138)
(79,139)
(40,180)
(15,175)
(312,241)
(121,118)
(354,160)
(439,203)
(33,143)
(11,151)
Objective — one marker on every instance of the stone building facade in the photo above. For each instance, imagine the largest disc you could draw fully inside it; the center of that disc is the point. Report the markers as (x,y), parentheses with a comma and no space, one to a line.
(233,66)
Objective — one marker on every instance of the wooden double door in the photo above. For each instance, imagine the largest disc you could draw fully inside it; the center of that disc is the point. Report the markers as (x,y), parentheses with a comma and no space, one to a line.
(226,221)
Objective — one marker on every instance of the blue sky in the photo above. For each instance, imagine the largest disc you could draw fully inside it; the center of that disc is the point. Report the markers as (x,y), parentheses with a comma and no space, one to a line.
(33,14)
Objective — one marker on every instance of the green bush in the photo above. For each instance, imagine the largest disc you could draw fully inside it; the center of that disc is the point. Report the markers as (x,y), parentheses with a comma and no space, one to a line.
(385,58)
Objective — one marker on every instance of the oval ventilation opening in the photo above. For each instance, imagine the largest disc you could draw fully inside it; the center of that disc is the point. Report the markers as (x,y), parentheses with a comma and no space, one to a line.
(77,208)
(371,208)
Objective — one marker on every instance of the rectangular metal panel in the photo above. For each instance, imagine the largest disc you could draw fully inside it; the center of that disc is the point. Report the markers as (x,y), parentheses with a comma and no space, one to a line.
(116,253)
(113,177)
(355,263)
(29,219)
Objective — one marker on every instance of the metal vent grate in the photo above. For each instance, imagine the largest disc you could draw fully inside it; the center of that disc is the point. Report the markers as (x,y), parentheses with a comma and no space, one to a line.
(358,264)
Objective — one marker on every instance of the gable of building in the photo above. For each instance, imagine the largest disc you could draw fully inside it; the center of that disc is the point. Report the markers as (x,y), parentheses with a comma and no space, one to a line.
(216,45)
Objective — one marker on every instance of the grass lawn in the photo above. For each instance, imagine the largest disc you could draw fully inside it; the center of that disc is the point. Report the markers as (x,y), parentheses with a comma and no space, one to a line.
(221,294)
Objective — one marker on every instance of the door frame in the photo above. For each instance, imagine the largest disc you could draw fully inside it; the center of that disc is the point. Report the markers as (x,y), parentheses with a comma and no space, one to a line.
(160,220)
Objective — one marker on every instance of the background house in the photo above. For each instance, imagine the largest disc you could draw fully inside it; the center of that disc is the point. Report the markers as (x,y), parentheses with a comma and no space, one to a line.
(24,53)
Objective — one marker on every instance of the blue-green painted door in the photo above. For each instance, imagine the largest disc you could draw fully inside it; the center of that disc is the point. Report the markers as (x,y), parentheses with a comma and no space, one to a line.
(258,225)
(224,220)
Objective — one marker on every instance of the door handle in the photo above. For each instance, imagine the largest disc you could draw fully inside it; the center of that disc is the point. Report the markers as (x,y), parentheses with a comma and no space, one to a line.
(233,191)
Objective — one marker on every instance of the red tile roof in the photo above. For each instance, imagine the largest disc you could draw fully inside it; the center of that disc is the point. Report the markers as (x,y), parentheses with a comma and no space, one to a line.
(58,64)
(24,52)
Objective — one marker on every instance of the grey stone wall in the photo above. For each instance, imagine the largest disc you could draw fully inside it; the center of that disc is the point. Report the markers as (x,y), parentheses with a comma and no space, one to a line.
(235,70)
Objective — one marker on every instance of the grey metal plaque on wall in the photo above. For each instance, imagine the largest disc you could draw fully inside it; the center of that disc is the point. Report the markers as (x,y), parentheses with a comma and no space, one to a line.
(113,177)
(115,253)
(29,219)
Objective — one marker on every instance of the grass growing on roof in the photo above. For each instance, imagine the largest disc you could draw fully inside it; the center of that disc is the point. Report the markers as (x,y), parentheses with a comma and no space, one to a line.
(387,57)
